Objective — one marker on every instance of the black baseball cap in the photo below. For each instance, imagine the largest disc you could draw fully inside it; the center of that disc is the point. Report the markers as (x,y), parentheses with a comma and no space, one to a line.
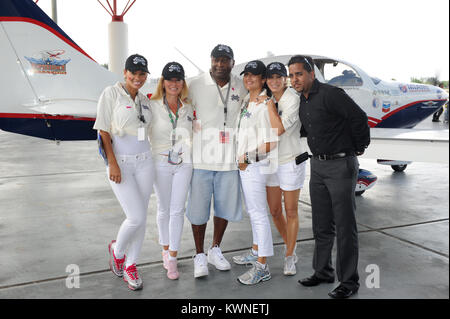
(136,62)
(173,70)
(222,50)
(276,68)
(255,67)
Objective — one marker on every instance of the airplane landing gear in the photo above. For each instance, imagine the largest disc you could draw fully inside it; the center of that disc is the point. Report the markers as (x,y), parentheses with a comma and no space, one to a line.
(399,168)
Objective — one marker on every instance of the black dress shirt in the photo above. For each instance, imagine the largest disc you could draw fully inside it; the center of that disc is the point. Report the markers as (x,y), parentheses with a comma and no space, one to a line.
(333,122)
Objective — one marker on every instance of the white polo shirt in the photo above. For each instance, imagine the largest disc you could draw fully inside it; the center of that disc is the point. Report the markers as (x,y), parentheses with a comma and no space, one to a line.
(117,113)
(161,129)
(254,128)
(289,145)
(209,151)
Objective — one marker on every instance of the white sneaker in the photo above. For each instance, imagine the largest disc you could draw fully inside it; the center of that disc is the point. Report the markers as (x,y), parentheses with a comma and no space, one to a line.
(200,265)
(289,266)
(255,275)
(216,258)
(246,258)
(294,254)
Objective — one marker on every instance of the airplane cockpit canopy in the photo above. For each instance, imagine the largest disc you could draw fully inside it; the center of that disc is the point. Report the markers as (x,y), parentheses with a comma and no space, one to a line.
(338,73)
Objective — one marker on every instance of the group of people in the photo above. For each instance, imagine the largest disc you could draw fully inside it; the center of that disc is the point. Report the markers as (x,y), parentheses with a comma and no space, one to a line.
(220,137)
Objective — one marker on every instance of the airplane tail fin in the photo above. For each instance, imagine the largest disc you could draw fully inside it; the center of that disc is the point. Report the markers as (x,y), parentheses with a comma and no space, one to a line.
(51,85)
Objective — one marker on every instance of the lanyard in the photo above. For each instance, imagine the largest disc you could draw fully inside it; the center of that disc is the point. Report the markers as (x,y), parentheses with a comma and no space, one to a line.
(140,116)
(225,102)
(243,112)
(174,123)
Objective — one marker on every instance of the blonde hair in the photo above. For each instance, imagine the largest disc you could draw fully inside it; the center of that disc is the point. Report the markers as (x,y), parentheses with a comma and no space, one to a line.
(160,91)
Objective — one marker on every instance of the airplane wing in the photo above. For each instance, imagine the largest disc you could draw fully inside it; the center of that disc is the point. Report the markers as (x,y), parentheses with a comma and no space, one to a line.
(409,145)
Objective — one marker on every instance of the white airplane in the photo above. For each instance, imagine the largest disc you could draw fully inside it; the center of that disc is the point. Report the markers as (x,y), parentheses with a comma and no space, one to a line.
(52,86)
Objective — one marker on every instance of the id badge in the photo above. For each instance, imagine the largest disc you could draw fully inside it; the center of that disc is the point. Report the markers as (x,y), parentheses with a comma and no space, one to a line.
(224,137)
(173,157)
(141,134)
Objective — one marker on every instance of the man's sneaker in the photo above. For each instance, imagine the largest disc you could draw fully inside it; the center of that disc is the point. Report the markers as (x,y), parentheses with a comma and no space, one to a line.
(255,275)
(246,258)
(130,276)
(172,270)
(165,257)
(289,266)
(200,265)
(115,264)
(216,258)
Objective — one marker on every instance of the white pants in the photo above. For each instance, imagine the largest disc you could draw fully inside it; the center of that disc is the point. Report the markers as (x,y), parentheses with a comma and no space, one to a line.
(133,193)
(172,184)
(254,187)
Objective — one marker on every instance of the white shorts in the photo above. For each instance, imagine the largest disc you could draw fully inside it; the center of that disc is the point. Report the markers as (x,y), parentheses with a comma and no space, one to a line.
(288,177)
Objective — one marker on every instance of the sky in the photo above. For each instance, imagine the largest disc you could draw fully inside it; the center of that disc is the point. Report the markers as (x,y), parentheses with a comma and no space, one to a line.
(389,39)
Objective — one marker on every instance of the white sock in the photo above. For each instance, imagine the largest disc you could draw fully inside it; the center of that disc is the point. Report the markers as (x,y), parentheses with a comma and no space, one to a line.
(254,252)
(172,258)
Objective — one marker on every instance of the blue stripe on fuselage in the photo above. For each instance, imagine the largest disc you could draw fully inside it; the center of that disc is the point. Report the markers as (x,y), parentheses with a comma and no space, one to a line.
(410,116)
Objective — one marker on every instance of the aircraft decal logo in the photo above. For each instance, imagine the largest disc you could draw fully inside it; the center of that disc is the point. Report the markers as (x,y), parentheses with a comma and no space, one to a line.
(376,102)
(48,62)
(413,88)
(386,106)
(403,88)
(429,103)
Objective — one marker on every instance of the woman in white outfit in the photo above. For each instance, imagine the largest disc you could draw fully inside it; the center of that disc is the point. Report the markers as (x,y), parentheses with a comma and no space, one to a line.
(290,175)
(254,141)
(123,121)
(171,138)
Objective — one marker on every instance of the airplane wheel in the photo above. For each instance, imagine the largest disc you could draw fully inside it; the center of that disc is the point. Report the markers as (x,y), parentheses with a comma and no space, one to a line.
(399,168)
(359,193)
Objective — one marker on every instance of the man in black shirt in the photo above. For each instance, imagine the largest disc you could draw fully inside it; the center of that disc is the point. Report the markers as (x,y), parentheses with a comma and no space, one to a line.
(337,131)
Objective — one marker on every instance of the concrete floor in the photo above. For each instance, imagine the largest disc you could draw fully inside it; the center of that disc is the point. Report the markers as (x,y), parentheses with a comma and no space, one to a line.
(57,209)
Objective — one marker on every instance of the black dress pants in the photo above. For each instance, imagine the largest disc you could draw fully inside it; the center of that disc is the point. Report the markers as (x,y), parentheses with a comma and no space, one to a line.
(332,190)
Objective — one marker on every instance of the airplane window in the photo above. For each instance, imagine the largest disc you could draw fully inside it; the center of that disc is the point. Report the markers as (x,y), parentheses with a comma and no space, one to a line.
(339,74)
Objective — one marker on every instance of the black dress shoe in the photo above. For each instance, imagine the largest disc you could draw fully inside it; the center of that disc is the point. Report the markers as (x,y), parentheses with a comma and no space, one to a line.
(314,281)
(342,292)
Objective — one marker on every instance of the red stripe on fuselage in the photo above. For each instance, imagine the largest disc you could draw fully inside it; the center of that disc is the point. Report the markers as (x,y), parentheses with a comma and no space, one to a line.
(59,35)
(44,116)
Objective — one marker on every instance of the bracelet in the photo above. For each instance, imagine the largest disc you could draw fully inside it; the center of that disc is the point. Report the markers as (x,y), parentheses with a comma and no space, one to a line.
(246,161)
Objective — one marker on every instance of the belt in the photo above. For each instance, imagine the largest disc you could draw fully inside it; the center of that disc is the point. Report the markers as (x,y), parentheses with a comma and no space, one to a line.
(135,157)
(326,157)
